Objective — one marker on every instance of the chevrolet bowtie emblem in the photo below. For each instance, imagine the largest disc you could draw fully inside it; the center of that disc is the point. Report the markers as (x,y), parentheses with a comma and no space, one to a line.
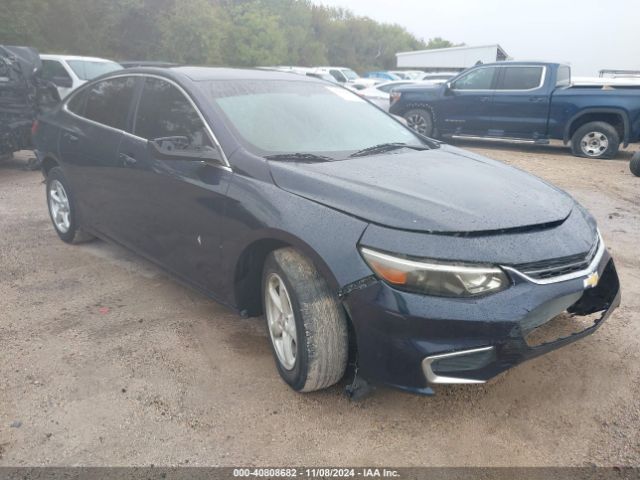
(592,280)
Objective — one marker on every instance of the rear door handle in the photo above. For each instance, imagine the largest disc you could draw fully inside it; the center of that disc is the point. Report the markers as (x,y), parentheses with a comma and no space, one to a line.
(70,137)
(128,160)
(485,99)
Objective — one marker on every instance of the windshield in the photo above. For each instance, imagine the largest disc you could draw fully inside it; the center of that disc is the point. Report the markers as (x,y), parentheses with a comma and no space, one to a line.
(350,74)
(88,70)
(283,116)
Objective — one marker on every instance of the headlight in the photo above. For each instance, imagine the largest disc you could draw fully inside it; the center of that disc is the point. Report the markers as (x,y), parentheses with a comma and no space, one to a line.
(434,277)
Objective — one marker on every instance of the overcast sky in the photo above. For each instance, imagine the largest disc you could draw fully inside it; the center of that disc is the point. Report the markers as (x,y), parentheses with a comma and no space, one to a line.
(589,34)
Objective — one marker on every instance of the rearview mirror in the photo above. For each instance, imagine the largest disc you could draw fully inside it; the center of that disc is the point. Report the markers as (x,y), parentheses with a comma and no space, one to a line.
(179,148)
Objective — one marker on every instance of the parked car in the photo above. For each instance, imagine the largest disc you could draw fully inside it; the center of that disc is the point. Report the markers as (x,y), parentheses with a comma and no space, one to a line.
(68,72)
(347,77)
(23,95)
(292,198)
(384,76)
(525,102)
(379,94)
(634,164)
(437,77)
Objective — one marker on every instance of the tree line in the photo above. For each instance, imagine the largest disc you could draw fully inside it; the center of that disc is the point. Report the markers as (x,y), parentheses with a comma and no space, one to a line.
(238,33)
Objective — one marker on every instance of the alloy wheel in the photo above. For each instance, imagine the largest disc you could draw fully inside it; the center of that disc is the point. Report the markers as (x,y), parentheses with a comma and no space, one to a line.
(59,206)
(281,321)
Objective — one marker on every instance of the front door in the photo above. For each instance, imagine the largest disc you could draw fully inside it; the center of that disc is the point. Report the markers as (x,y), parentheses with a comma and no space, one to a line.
(466,107)
(174,209)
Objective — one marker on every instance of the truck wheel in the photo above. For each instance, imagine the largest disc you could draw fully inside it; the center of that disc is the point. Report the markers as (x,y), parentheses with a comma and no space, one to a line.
(595,140)
(634,165)
(62,208)
(420,120)
(306,323)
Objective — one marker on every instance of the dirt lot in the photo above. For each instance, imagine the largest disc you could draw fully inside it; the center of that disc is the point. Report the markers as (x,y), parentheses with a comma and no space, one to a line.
(107,361)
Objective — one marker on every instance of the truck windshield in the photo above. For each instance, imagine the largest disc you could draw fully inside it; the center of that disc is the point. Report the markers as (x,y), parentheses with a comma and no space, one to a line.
(283,116)
(87,70)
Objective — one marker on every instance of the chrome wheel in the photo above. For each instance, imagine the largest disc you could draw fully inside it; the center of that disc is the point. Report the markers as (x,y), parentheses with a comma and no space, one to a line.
(594,144)
(59,206)
(281,321)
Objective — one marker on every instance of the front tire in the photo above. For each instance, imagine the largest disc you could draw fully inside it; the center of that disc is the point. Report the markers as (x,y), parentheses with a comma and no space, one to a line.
(62,209)
(306,323)
(634,164)
(421,121)
(595,140)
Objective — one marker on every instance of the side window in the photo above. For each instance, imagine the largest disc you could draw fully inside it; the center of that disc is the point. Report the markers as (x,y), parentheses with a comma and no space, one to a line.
(77,102)
(53,69)
(108,102)
(564,76)
(521,78)
(338,75)
(164,111)
(478,79)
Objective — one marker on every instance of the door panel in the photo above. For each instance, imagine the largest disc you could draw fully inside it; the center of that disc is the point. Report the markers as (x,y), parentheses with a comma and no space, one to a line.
(172,210)
(466,107)
(521,103)
(89,145)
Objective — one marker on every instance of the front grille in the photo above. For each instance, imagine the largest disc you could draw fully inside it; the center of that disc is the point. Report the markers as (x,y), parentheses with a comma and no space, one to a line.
(559,266)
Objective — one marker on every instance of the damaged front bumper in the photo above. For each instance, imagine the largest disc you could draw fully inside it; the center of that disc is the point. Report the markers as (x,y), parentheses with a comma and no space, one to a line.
(413,341)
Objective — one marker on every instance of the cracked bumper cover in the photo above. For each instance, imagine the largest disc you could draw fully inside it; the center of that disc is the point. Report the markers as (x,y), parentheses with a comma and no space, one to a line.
(402,336)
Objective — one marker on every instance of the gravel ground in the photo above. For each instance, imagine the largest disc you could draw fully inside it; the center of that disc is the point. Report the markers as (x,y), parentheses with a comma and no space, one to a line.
(107,361)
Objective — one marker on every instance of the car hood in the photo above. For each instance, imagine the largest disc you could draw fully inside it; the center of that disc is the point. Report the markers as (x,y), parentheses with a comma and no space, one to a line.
(444,190)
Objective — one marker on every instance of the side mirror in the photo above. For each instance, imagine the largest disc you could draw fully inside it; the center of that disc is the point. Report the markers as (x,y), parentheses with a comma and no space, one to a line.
(178,148)
(62,82)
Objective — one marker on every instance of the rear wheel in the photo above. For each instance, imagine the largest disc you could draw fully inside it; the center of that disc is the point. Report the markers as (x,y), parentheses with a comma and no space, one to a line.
(307,325)
(634,165)
(62,208)
(595,140)
(420,120)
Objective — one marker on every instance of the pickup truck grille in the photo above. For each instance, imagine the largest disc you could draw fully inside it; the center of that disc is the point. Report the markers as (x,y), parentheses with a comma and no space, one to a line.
(557,267)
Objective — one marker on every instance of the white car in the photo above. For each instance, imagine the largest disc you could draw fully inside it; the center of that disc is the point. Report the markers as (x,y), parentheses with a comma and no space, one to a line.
(379,94)
(408,74)
(438,78)
(68,72)
(347,77)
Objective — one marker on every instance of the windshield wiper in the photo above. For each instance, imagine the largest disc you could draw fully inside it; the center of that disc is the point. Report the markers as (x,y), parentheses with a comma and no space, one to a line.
(299,157)
(387,147)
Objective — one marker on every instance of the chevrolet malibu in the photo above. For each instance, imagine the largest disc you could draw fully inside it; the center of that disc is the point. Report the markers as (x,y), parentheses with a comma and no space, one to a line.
(358,239)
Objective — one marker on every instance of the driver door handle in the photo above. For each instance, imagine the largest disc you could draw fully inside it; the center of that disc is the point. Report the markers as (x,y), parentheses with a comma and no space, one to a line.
(128,160)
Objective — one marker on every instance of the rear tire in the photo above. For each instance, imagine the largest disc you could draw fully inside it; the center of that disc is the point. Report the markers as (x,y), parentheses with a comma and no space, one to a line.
(634,164)
(318,357)
(595,140)
(421,121)
(62,208)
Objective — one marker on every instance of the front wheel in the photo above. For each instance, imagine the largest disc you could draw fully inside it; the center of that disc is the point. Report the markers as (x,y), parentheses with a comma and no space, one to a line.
(306,323)
(420,120)
(595,140)
(634,165)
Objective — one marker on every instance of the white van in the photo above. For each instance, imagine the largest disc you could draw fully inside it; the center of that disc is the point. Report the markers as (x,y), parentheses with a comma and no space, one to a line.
(68,72)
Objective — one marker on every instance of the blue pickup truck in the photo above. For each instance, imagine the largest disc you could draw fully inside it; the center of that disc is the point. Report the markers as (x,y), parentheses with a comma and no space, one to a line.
(525,102)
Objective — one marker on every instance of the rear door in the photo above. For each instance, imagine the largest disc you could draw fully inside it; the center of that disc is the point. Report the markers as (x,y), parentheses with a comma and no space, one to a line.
(173,210)
(521,102)
(89,141)
(466,108)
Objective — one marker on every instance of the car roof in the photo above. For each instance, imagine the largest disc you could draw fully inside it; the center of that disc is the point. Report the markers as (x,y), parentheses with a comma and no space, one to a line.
(48,56)
(201,74)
